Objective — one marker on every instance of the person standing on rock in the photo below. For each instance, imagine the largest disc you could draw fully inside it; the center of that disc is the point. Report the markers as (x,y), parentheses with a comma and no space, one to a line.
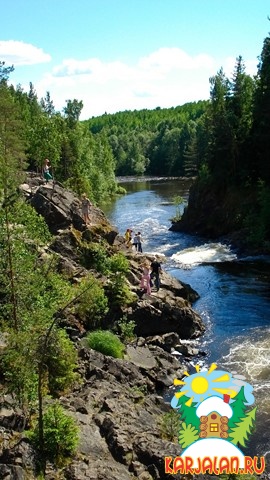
(86,204)
(128,236)
(139,242)
(155,273)
(46,170)
(135,241)
(146,279)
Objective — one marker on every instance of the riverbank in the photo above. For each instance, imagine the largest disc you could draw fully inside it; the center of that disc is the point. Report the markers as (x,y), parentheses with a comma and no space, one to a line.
(230,217)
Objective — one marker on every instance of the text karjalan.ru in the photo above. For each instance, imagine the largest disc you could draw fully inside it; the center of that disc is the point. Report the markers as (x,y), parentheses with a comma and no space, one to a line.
(214,465)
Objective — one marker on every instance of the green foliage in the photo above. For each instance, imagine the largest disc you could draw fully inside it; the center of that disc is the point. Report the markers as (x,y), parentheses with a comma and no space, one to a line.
(19,368)
(118,264)
(92,304)
(29,223)
(61,363)
(117,289)
(12,145)
(61,434)
(126,328)
(19,364)
(106,342)
(204,174)
(169,424)
(94,255)
(120,190)
(177,201)
(187,435)
(258,219)
(151,141)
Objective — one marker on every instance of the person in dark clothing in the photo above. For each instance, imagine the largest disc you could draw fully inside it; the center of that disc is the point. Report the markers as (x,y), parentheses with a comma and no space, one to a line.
(139,242)
(155,273)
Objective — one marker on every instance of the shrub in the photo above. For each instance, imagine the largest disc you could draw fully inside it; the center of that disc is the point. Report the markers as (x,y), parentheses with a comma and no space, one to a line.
(120,190)
(177,201)
(118,263)
(117,289)
(61,434)
(29,222)
(106,342)
(169,424)
(92,304)
(61,362)
(95,256)
(126,328)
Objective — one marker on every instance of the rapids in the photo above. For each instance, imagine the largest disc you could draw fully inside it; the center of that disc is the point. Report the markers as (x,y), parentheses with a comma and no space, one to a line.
(234,292)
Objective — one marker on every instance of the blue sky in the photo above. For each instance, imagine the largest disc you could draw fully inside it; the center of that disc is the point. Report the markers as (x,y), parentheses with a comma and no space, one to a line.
(119,55)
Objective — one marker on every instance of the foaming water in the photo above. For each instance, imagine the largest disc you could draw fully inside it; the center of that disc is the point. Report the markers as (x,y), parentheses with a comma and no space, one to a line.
(251,357)
(207,253)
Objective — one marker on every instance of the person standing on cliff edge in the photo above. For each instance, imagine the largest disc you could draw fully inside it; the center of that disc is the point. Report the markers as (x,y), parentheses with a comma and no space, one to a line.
(155,272)
(46,170)
(86,204)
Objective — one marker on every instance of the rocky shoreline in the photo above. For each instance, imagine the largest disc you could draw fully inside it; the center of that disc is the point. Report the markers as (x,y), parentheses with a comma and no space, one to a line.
(119,404)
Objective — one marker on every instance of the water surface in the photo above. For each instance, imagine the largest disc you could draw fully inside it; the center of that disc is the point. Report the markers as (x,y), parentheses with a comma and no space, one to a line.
(234,292)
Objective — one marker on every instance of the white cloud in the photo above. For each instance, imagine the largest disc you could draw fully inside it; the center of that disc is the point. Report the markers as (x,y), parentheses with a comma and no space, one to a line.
(20,53)
(167,77)
(167,59)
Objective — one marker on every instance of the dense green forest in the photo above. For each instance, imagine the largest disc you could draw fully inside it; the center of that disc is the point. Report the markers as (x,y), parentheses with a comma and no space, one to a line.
(232,190)
(32,130)
(154,142)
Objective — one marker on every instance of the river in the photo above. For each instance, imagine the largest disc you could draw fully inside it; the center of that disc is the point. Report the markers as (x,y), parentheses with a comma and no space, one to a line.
(234,291)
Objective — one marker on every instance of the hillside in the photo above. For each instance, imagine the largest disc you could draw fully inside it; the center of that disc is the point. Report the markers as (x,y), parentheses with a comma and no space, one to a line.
(116,403)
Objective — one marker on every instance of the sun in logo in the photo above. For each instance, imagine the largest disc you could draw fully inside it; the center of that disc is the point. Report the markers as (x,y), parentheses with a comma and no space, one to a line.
(202,385)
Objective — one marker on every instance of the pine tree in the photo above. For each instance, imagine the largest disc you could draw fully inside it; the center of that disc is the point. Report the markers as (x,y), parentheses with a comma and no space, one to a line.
(238,406)
(239,434)
(188,413)
(260,134)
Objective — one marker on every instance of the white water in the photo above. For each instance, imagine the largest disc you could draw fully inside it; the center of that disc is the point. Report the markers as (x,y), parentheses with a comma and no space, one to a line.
(206,253)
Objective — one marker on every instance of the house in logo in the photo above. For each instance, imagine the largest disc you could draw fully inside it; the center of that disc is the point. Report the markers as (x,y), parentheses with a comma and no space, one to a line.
(214,414)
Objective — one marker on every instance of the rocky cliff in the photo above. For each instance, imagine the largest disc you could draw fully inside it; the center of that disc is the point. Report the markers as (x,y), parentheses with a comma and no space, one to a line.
(119,404)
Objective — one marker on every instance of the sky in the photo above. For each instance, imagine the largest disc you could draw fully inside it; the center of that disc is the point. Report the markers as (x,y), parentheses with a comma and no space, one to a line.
(118,55)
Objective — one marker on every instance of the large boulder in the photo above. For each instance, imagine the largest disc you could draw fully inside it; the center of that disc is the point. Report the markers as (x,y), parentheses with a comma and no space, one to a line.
(163,314)
(61,209)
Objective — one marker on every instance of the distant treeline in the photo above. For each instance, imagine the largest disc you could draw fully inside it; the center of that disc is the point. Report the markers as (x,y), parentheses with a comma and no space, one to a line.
(154,142)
